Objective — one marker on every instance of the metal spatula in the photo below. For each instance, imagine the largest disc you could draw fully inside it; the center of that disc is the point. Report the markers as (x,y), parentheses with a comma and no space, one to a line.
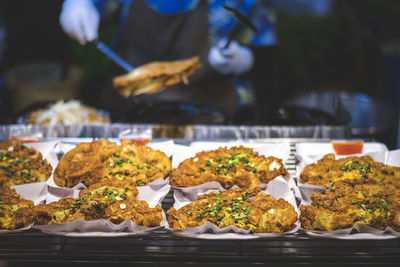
(113,56)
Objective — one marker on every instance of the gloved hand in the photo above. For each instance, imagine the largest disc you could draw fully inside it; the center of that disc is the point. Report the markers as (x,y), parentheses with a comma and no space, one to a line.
(80,20)
(235,59)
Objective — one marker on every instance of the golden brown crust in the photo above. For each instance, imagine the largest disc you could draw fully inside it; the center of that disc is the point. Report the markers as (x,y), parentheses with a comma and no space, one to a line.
(234,166)
(54,212)
(111,200)
(115,187)
(83,163)
(243,208)
(150,77)
(372,203)
(361,191)
(15,212)
(138,211)
(136,164)
(21,165)
(90,163)
(329,169)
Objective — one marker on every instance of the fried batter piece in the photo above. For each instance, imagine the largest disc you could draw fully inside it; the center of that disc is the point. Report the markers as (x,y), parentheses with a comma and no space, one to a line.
(372,203)
(82,163)
(111,200)
(138,164)
(21,165)
(15,212)
(243,208)
(238,165)
(89,163)
(151,77)
(329,169)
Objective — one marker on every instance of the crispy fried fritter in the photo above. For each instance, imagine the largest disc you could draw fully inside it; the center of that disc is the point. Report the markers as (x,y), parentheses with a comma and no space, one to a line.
(234,166)
(15,212)
(329,169)
(21,165)
(138,164)
(55,212)
(111,200)
(153,76)
(109,189)
(82,163)
(138,211)
(91,162)
(372,203)
(243,208)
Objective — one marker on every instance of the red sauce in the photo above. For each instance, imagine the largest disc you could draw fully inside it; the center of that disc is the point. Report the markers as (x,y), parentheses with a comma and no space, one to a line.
(348,148)
(138,140)
(26,139)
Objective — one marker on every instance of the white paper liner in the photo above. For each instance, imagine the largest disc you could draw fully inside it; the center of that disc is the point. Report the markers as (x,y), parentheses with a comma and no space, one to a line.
(34,191)
(5,231)
(153,193)
(358,231)
(278,188)
(100,228)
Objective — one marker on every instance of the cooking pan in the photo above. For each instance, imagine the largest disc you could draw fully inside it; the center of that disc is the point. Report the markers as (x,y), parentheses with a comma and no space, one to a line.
(287,116)
(176,113)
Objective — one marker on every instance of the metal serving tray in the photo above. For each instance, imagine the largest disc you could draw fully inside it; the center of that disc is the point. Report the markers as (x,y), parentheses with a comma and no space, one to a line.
(191,132)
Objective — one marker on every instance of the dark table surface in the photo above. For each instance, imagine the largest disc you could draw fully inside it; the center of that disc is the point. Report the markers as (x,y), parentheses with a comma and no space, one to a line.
(161,247)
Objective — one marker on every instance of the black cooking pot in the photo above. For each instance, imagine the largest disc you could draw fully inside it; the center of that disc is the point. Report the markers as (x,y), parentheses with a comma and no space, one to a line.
(176,113)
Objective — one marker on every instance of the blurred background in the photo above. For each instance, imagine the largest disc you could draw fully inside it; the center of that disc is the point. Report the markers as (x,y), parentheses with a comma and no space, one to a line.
(327,62)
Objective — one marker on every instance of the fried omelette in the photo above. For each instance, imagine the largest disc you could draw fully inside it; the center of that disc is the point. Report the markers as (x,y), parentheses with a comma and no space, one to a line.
(329,169)
(21,165)
(89,163)
(82,163)
(151,77)
(371,202)
(15,212)
(135,163)
(111,200)
(238,165)
(243,208)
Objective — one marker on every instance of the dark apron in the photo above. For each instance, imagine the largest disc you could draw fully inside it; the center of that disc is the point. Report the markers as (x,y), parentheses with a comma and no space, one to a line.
(148,35)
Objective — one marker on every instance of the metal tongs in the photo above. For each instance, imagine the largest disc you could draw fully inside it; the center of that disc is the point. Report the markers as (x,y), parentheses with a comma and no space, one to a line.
(242,21)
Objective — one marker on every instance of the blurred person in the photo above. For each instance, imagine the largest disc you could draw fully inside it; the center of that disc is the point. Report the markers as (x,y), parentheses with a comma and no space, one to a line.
(268,81)
(272,74)
(169,30)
